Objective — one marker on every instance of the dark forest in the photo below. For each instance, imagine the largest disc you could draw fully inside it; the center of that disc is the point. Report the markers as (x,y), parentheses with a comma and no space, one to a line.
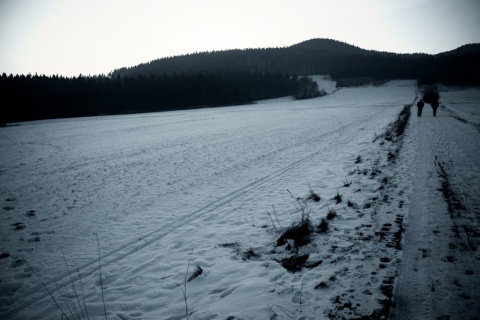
(40,97)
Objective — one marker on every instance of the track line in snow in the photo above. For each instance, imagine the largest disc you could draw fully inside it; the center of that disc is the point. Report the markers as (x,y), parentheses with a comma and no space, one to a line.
(459,118)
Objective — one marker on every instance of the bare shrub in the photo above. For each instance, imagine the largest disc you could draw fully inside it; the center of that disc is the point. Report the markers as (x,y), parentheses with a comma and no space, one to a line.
(323,226)
(298,232)
(332,214)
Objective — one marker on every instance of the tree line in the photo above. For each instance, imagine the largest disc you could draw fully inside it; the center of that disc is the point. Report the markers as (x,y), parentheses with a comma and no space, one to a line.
(33,97)
(461,69)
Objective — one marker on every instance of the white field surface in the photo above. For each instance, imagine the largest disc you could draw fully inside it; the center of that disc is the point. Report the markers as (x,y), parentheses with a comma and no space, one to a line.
(167,192)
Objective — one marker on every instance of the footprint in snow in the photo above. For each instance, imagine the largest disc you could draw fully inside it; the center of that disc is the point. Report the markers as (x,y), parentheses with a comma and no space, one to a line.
(34,239)
(4,255)
(18,263)
(384,262)
(386,226)
(224,291)
(18,226)
(302,297)
(23,275)
(30,213)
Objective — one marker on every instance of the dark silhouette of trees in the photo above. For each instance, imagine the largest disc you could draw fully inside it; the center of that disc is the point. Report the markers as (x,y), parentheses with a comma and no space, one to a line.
(40,97)
(430,94)
(307,89)
(451,69)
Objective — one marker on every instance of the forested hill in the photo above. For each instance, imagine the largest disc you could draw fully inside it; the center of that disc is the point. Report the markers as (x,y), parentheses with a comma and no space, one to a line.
(308,57)
(323,56)
(465,49)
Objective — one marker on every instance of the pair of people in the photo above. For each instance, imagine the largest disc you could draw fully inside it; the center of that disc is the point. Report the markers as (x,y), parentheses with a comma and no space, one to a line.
(421,104)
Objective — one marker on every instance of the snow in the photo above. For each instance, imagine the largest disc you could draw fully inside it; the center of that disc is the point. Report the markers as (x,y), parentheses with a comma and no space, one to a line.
(169,192)
(325,83)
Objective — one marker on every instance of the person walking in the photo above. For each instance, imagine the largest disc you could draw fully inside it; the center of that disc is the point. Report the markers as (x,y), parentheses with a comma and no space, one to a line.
(434,105)
(420,105)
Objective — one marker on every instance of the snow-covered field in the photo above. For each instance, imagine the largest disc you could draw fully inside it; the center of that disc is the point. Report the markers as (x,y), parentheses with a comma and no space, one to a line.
(168,194)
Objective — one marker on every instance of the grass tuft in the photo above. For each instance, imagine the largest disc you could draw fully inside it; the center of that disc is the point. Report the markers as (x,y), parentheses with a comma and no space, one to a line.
(337,198)
(323,226)
(347,183)
(101,281)
(74,304)
(278,229)
(313,196)
(332,214)
(352,204)
(188,313)
(299,233)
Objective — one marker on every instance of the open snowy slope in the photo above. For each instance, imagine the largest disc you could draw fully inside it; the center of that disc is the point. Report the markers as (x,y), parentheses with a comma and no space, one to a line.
(207,189)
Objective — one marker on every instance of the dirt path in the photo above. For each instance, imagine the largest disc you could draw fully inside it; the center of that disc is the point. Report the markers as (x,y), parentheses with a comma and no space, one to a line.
(439,275)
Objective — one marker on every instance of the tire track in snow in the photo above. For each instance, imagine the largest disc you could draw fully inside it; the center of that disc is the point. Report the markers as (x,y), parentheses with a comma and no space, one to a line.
(453,155)
(459,118)
(132,247)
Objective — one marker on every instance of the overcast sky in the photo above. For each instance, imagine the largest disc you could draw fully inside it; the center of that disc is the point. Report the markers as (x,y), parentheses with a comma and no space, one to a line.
(69,37)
